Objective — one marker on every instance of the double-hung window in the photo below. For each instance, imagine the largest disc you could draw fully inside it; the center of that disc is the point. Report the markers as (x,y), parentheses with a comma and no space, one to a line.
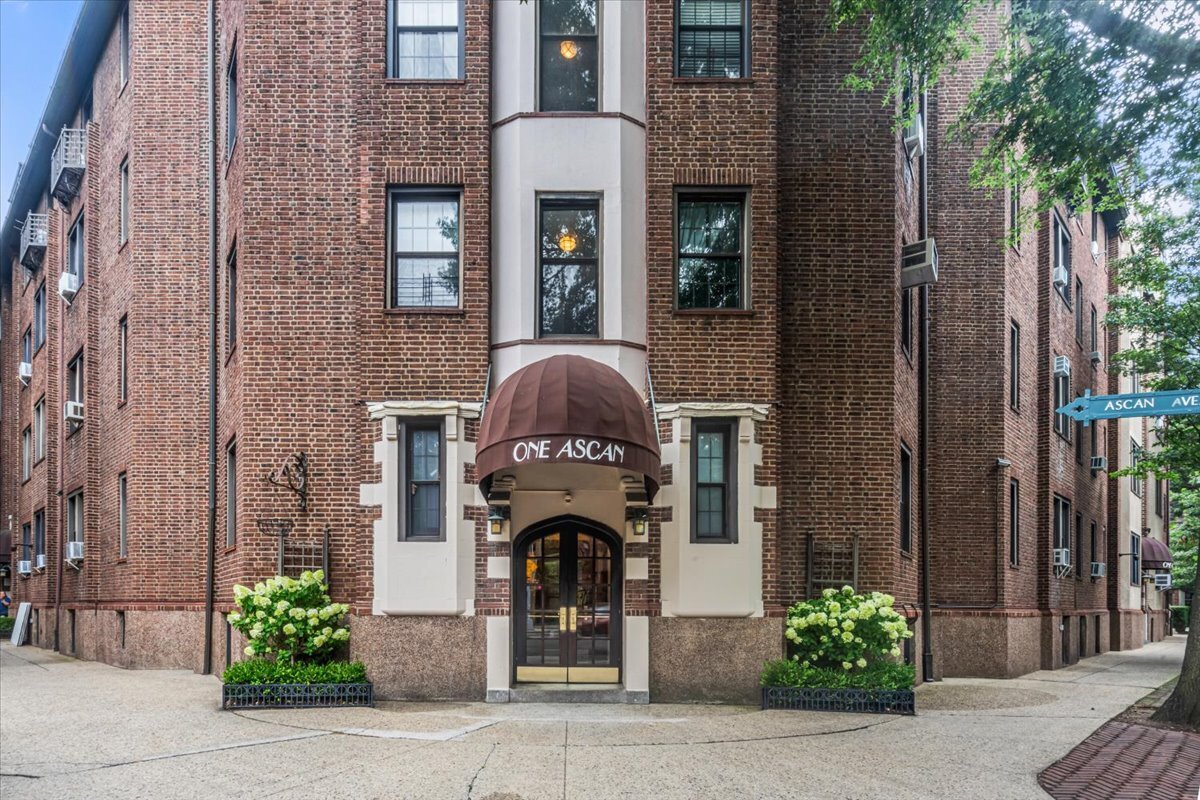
(26,453)
(425,249)
(27,346)
(231,300)
(1079,311)
(568,55)
(1062,396)
(711,38)
(569,267)
(39,537)
(1061,253)
(231,494)
(39,317)
(123,205)
(1077,555)
(1062,523)
(1135,480)
(75,517)
(1093,551)
(1135,559)
(1014,522)
(421,481)
(710,250)
(1095,325)
(74,388)
(1160,497)
(75,249)
(122,516)
(231,102)
(1014,366)
(26,547)
(714,484)
(426,42)
(905,499)
(39,430)
(123,360)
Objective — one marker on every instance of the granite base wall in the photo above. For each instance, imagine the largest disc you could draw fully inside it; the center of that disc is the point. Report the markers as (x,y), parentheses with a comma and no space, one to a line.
(986,646)
(422,658)
(710,660)
(152,639)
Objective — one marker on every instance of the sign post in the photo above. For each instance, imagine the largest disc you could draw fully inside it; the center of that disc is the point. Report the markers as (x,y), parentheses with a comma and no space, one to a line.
(1145,404)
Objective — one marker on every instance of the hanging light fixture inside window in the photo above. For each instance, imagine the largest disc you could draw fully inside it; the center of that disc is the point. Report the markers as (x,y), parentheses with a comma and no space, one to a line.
(567,242)
(569,49)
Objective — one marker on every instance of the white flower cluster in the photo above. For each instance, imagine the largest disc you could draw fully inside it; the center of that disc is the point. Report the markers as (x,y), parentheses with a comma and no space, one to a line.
(289,618)
(842,628)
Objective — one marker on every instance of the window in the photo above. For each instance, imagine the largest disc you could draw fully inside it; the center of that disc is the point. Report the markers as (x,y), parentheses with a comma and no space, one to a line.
(121,628)
(905,499)
(75,388)
(75,249)
(568,55)
(39,318)
(27,346)
(423,474)
(1014,211)
(906,321)
(1062,258)
(231,299)
(711,38)
(1095,436)
(1077,556)
(714,497)
(39,430)
(1079,311)
(124,201)
(568,267)
(123,360)
(425,249)
(75,517)
(1135,559)
(1014,522)
(39,535)
(1135,455)
(427,39)
(711,242)
(122,516)
(1079,442)
(124,46)
(1095,327)
(26,552)
(1094,552)
(26,453)
(1014,366)
(1062,523)
(231,494)
(1095,233)
(231,102)
(1062,396)
(1160,497)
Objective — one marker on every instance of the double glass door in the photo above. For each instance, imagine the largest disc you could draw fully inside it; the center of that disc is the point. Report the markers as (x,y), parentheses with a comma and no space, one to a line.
(568,606)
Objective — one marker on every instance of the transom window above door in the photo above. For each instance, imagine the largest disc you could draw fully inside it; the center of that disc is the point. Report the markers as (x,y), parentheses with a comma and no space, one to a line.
(568,266)
(425,251)
(710,257)
(426,39)
(568,55)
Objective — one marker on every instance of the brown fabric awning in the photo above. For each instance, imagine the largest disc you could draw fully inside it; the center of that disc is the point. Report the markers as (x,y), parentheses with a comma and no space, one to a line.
(569,409)
(1155,554)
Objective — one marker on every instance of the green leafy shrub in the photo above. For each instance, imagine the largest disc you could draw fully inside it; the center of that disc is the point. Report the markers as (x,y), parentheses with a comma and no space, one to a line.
(257,672)
(6,625)
(876,675)
(1181,617)
(289,619)
(844,630)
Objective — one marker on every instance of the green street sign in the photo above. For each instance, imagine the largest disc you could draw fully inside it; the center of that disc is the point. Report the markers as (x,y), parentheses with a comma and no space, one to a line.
(1145,404)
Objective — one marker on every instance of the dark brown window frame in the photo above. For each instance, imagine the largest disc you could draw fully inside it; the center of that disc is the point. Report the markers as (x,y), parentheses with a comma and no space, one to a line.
(1014,522)
(714,194)
(405,427)
(1014,365)
(123,359)
(395,195)
(728,427)
(393,40)
(745,68)
(568,201)
(905,498)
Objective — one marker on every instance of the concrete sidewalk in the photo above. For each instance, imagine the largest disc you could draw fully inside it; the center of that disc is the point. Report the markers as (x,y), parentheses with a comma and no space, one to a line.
(73,729)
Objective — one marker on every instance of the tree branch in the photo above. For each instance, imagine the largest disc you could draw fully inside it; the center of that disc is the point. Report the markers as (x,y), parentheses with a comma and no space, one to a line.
(1105,23)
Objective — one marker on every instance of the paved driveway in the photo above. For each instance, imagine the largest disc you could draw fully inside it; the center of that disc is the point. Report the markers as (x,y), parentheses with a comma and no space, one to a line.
(75,729)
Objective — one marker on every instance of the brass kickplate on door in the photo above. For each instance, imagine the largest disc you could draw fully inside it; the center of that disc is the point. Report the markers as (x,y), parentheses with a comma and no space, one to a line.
(594,675)
(542,674)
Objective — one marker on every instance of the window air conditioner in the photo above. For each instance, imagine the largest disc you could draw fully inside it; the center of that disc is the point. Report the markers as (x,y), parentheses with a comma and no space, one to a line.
(1060,277)
(23,567)
(1099,464)
(74,551)
(1095,249)
(1097,357)
(25,372)
(73,411)
(68,286)
(1062,366)
(914,137)
(1099,569)
(41,561)
(1062,557)
(1162,581)
(918,263)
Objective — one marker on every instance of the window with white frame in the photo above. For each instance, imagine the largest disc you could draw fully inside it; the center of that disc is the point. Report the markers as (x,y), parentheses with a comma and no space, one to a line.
(1135,456)
(75,249)
(74,380)
(39,430)
(75,517)
(39,535)
(26,453)
(1061,254)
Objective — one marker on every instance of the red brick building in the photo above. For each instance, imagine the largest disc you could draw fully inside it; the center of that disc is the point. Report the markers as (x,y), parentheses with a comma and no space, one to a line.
(579,327)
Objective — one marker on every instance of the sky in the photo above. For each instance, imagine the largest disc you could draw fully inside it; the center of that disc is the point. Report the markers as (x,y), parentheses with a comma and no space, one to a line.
(33,36)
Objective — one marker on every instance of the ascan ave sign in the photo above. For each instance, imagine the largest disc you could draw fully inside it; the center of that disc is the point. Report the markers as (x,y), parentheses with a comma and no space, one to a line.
(1146,404)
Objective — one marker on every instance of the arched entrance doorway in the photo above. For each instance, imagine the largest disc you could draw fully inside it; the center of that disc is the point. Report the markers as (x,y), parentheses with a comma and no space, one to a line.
(567,603)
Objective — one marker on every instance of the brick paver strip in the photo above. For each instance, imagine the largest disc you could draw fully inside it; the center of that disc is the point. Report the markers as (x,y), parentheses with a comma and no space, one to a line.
(1122,761)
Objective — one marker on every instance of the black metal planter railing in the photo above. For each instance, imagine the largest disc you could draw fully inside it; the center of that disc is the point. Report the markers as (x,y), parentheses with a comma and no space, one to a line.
(861,701)
(297,695)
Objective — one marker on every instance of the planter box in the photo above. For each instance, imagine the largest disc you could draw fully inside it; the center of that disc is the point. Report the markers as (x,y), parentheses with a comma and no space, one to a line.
(296,695)
(859,701)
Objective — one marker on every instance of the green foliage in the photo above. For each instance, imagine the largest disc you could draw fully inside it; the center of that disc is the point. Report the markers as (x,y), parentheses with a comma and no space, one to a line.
(257,672)
(6,625)
(1181,617)
(1185,535)
(289,619)
(843,630)
(879,675)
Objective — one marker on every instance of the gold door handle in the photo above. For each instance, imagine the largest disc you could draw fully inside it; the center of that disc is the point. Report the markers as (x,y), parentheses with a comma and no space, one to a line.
(574,611)
(562,618)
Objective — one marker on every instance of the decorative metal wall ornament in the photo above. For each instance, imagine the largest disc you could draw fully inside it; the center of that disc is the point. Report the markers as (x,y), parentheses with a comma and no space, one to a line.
(293,476)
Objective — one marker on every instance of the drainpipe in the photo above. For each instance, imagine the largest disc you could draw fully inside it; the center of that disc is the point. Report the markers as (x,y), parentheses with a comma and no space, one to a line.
(923,466)
(210,546)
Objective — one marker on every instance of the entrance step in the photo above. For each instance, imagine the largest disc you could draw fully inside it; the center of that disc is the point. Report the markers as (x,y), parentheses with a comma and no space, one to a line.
(574,693)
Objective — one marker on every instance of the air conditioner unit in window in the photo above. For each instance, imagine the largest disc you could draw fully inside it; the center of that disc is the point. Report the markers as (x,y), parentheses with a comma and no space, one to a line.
(1060,277)
(1099,464)
(25,372)
(918,263)
(1062,557)
(73,411)
(1099,569)
(1062,366)
(914,137)
(1162,581)
(23,568)
(74,551)
(41,561)
(68,286)
(1097,357)
(1095,249)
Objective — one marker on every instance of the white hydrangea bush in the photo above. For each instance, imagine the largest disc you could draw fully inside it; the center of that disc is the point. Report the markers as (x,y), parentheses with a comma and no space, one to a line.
(289,619)
(844,630)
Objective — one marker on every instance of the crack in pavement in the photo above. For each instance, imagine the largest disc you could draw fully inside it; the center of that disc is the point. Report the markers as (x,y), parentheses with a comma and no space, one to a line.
(478,772)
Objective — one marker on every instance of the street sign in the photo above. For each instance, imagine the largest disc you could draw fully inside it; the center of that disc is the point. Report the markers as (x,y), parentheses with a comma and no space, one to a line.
(1146,404)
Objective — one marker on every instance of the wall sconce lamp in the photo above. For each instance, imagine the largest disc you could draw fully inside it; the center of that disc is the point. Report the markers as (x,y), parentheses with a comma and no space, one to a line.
(497,516)
(639,519)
